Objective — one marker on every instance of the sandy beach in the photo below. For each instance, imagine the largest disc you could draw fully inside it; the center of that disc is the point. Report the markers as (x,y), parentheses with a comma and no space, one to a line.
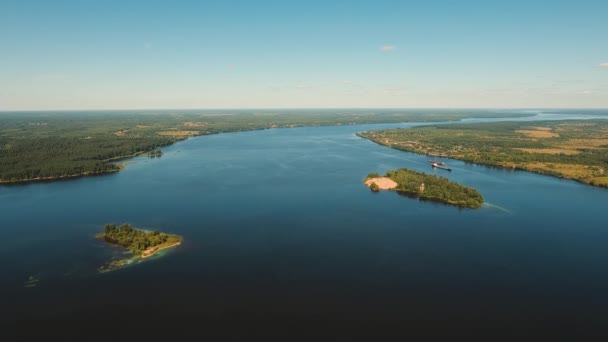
(152,250)
(384,183)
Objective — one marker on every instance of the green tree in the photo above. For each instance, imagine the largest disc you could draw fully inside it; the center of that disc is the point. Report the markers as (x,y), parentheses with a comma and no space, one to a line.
(372,175)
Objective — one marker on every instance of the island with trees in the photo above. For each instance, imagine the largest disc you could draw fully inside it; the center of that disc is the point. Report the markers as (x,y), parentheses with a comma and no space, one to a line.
(141,243)
(573,149)
(426,187)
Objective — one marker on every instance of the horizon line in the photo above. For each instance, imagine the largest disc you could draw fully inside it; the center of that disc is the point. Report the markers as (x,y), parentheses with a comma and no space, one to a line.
(300,108)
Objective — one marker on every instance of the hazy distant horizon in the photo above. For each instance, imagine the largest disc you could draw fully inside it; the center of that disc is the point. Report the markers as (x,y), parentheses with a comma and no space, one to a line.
(301,108)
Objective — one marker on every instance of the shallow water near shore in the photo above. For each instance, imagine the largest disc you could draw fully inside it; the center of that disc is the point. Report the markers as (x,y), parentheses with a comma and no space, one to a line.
(277,224)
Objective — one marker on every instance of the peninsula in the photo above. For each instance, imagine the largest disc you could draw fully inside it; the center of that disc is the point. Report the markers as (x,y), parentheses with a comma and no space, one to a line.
(425,186)
(575,149)
(140,242)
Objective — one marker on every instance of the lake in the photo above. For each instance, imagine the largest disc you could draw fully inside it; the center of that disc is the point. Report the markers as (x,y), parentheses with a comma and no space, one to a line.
(281,236)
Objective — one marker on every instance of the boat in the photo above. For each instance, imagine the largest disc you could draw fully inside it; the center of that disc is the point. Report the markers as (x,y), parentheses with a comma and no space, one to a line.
(437,162)
(441,166)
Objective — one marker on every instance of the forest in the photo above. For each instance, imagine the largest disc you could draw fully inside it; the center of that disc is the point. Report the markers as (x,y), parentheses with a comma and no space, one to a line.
(136,240)
(48,145)
(438,189)
(576,149)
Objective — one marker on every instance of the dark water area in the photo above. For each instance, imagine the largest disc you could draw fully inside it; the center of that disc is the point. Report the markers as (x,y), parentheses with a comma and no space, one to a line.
(281,238)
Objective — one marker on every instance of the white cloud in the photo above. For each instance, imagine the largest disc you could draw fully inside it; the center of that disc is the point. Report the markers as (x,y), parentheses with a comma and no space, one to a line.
(388,48)
(604,65)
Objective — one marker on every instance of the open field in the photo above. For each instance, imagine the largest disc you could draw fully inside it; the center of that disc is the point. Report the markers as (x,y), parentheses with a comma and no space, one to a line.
(538,132)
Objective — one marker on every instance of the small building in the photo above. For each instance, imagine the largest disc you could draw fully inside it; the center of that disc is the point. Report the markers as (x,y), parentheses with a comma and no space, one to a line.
(422,187)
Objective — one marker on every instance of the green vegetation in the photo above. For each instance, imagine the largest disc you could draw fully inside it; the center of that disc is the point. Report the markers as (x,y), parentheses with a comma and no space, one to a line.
(56,145)
(435,188)
(575,150)
(155,154)
(374,187)
(140,242)
(373,175)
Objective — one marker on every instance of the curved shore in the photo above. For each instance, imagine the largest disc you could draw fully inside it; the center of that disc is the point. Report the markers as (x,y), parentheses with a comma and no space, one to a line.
(153,250)
(57,178)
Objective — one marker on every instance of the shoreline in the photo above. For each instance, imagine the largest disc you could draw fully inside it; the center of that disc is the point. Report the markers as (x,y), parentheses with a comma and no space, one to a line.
(416,195)
(237,130)
(496,166)
(58,178)
(156,250)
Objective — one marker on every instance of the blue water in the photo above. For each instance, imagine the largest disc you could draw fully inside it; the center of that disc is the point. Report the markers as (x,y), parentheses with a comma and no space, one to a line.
(280,230)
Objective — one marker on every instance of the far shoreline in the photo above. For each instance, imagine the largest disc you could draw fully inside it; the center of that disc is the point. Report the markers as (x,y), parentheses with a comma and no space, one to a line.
(120,167)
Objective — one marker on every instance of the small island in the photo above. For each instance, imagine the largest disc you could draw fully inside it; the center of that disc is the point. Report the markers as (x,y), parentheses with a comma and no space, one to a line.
(424,186)
(141,243)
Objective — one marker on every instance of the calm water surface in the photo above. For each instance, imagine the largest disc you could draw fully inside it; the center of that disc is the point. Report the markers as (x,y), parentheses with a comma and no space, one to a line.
(279,230)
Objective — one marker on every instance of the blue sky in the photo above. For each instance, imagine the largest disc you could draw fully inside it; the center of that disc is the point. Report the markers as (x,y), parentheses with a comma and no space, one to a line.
(304,54)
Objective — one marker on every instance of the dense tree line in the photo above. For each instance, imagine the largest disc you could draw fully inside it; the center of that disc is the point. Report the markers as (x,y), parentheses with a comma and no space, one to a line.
(60,157)
(134,239)
(38,145)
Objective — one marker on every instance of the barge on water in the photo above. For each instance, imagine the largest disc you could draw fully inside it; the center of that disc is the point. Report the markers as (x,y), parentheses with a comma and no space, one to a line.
(441,166)
(436,162)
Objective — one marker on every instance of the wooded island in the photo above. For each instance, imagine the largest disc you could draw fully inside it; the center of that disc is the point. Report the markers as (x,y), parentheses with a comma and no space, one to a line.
(425,186)
(141,242)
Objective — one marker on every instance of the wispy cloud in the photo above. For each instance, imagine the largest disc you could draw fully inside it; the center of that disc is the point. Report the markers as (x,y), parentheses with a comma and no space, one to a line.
(604,65)
(388,48)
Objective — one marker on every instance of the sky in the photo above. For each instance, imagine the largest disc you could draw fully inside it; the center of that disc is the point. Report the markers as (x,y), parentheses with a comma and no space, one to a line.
(150,54)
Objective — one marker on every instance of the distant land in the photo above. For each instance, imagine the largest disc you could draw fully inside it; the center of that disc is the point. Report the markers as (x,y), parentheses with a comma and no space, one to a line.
(574,149)
(44,146)
(425,186)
